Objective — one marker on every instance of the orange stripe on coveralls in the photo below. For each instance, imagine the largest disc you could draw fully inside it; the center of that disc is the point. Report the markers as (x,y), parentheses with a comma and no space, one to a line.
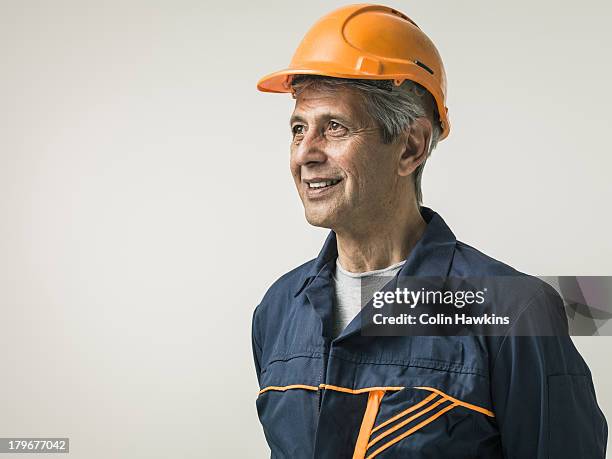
(411,431)
(358,391)
(405,412)
(329,387)
(407,421)
(383,388)
(459,402)
(374,399)
(284,388)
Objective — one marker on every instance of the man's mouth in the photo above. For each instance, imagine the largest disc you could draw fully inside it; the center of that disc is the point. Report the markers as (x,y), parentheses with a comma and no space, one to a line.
(322,183)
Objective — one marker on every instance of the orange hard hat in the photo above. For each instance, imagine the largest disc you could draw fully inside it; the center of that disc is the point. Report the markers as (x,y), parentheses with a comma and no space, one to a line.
(371,42)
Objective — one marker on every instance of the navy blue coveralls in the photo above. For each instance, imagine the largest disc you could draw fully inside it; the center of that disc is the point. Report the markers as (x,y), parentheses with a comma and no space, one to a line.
(456,397)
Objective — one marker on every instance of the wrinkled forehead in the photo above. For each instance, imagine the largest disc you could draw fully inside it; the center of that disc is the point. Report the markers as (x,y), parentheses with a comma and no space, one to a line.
(316,101)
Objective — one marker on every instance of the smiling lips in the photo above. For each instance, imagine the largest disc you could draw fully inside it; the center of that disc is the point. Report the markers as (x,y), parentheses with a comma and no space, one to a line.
(317,186)
(322,183)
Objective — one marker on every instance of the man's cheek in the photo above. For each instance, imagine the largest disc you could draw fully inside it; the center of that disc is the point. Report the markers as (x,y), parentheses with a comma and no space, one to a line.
(295,174)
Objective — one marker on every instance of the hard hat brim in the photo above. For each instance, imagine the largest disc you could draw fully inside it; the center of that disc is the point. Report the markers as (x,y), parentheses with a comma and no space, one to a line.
(279,82)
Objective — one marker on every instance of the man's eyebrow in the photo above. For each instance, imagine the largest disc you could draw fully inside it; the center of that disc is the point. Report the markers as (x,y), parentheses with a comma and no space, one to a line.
(324,116)
(295,118)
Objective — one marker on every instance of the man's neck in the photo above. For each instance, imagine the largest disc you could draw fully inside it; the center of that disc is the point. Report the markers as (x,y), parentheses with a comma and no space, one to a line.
(386,241)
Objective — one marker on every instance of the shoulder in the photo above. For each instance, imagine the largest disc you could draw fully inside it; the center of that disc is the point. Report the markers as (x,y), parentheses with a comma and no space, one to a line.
(280,292)
(538,330)
(288,283)
(524,294)
(469,261)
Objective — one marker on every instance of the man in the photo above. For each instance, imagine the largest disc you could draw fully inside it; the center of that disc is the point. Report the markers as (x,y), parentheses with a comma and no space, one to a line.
(370,107)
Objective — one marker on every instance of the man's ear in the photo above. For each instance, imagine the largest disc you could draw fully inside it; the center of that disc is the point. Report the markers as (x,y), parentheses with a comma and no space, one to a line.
(415,145)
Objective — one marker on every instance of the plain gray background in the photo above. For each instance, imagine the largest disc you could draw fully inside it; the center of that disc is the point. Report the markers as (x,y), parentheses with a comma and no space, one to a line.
(146,202)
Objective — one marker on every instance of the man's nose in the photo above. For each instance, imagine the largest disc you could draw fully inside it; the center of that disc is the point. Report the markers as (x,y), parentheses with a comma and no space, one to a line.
(310,150)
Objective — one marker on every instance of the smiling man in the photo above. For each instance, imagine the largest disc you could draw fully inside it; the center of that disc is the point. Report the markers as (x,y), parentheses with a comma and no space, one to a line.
(370,93)
(369,204)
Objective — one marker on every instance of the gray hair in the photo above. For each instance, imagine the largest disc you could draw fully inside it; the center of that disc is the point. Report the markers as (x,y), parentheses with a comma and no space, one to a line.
(394,108)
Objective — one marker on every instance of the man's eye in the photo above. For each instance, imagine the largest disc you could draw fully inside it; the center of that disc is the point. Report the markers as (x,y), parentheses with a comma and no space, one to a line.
(298,129)
(336,128)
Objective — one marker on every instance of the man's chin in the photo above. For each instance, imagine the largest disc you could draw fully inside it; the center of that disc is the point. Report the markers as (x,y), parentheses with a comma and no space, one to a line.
(322,220)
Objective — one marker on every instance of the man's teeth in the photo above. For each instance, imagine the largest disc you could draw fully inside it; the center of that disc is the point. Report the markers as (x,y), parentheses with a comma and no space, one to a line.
(322,184)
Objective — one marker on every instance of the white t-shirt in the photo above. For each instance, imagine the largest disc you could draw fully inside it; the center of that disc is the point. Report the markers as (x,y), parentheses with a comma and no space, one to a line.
(348,291)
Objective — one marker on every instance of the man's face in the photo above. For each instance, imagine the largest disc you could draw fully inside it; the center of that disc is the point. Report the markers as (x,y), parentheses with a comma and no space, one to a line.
(344,173)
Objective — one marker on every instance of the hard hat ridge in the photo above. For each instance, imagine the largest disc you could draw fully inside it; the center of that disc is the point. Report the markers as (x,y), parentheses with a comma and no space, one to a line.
(367,42)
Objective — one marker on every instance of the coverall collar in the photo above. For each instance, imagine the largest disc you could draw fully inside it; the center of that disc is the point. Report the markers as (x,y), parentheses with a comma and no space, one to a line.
(431,256)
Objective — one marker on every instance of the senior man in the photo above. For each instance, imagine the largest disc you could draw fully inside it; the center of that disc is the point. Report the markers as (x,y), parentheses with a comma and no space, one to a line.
(370,94)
